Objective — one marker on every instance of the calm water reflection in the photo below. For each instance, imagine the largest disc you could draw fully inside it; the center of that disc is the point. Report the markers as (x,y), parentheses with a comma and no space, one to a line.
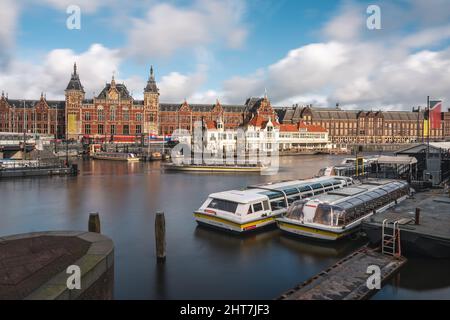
(201,263)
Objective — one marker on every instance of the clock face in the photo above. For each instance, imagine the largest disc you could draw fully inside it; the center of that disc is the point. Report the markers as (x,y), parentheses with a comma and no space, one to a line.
(113,95)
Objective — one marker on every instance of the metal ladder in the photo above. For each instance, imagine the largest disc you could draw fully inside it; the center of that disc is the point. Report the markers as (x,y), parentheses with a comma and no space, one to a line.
(390,242)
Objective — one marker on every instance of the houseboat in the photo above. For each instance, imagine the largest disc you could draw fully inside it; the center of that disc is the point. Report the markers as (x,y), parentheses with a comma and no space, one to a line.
(115,156)
(257,206)
(340,212)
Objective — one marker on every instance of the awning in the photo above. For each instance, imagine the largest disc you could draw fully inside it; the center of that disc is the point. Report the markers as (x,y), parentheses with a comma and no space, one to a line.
(396,160)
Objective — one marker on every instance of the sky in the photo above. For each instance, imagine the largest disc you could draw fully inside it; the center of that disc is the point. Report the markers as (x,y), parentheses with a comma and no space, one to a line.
(300,52)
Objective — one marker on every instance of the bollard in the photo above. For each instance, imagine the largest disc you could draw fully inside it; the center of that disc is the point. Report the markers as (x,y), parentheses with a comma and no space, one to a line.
(160,236)
(94,222)
(417,220)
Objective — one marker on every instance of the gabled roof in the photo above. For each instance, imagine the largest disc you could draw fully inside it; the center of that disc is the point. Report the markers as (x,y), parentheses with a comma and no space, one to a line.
(121,88)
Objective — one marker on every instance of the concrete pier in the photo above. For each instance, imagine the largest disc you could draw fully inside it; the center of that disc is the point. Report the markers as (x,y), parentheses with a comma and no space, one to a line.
(423,222)
(35,266)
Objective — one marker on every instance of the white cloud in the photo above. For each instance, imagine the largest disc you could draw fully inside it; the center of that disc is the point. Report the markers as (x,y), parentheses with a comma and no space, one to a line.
(359,70)
(9,12)
(167,28)
(348,24)
(22,79)
(175,87)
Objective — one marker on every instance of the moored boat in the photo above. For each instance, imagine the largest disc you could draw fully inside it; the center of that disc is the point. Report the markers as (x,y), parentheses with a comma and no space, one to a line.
(246,210)
(340,213)
(214,168)
(156,156)
(115,156)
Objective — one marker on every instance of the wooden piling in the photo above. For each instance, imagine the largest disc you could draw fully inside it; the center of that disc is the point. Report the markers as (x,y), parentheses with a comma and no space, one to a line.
(160,236)
(94,222)
(417,220)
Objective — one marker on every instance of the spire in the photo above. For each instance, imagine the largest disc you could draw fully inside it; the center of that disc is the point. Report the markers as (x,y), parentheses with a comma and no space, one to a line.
(3,94)
(265,93)
(151,83)
(113,81)
(75,83)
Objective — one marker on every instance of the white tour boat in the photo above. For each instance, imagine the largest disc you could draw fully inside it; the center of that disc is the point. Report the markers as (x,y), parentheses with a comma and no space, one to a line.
(340,212)
(115,156)
(258,206)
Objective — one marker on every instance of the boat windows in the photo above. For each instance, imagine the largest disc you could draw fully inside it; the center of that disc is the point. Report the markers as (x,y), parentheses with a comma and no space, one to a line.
(278,204)
(316,186)
(266,205)
(250,210)
(305,188)
(257,207)
(293,199)
(295,211)
(289,192)
(272,194)
(224,205)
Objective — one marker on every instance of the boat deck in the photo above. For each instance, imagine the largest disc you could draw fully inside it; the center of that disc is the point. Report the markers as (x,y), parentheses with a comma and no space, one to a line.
(346,280)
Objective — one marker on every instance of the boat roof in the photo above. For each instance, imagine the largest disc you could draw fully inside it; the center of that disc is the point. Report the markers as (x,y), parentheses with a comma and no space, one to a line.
(260,192)
(243,196)
(341,195)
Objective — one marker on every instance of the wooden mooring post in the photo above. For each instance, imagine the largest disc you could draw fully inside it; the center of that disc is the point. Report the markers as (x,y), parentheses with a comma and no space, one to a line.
(417,220)
(160,236)
(94,222)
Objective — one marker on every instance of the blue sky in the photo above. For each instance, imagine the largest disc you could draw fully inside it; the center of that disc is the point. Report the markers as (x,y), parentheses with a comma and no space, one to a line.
(318,52)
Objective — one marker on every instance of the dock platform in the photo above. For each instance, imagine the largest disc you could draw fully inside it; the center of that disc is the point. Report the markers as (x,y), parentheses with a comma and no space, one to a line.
(431,237)
(347,279)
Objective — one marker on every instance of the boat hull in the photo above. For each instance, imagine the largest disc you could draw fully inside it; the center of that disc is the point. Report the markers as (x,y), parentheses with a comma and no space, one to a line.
(314,232)
(227,225)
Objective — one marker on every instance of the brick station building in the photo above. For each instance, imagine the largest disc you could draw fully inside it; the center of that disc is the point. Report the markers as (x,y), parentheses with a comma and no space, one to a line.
(366,127)
(115,113)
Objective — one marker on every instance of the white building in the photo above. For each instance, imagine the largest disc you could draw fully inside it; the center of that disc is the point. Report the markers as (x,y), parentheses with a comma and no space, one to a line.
(265,135)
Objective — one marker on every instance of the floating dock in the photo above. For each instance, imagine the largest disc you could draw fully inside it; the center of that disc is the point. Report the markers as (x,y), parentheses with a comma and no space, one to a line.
(347,279)
(427,236)
(34,172)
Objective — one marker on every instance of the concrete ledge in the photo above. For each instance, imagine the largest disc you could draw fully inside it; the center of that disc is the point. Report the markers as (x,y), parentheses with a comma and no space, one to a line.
(94,256)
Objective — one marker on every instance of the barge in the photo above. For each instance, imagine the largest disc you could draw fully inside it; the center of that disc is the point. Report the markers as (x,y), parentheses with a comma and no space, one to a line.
(258,206)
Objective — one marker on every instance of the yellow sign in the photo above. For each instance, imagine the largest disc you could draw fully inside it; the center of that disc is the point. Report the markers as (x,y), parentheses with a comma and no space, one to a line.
(72,124)
(425,128)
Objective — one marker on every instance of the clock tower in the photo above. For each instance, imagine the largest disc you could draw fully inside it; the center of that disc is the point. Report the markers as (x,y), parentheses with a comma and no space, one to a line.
(74,98)
(151,105)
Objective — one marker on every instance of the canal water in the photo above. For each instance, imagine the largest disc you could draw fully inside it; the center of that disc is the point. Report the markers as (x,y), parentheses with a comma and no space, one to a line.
(201,263)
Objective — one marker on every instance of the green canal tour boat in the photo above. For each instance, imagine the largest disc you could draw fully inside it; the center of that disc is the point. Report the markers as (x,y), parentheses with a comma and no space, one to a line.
(242,211)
